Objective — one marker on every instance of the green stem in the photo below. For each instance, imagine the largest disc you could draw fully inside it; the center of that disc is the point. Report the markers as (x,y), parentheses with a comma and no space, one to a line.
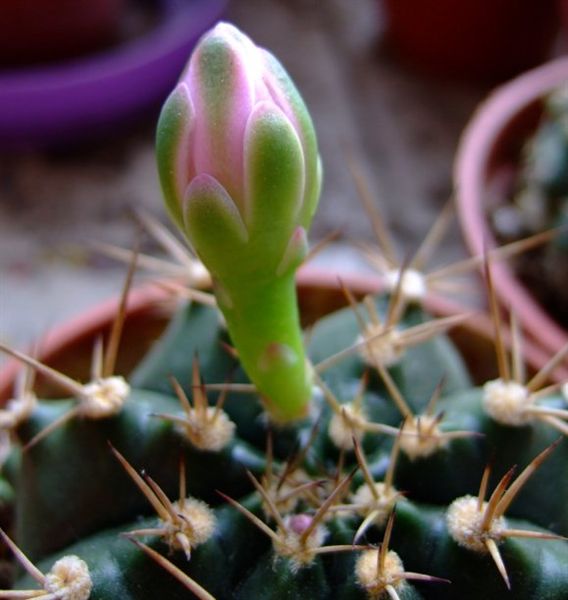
(264,325)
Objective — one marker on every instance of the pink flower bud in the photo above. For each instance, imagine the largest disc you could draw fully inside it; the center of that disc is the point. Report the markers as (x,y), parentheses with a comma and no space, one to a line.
(229,85)
(240,171)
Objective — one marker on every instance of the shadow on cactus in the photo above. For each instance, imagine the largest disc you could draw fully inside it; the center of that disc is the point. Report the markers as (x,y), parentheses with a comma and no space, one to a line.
(237,462)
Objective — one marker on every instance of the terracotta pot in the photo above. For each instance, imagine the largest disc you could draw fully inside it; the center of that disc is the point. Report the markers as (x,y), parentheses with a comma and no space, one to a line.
(69,347)
(490,146)
(480,40)
(39,31)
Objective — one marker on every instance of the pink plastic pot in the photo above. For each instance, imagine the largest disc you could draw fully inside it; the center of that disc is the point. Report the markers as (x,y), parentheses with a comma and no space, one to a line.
(69,347)
(489,147)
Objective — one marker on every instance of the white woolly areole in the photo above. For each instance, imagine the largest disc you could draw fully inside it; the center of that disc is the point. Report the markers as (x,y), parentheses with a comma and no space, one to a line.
(104,397)
(413,286)
(196,523)
(464,521)
(69,578)
(366,503)
(506,402)
(16,411)
(374,581)
(347,425)
(209,430)
(386,349)
(421,437)
(290,544)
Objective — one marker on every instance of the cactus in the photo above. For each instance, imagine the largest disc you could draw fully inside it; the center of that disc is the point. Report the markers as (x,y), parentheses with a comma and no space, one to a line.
(232,463)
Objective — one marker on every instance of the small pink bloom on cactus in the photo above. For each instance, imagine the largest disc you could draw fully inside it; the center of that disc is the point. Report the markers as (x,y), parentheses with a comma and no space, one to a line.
(299,523)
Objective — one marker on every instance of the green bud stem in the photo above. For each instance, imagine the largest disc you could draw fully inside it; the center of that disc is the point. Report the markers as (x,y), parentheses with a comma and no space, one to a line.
(263,322)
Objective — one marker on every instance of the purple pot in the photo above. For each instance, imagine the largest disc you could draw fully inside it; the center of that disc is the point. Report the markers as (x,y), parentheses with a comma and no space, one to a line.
(96,95)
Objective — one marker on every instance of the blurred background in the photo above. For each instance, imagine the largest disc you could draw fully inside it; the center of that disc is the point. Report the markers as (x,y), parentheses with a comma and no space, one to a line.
(392,82)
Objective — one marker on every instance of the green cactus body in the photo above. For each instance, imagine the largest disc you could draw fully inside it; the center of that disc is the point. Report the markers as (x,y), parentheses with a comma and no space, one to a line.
(73,498)
(119,570)
(536,569)
(73,469)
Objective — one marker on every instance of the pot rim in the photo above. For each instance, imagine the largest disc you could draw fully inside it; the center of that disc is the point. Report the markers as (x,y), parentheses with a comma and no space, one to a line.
(470,169)
(149,295)
(106,87)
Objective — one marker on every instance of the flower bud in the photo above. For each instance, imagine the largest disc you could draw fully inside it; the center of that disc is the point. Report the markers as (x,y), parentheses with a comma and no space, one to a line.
(236,126)
(240,171)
